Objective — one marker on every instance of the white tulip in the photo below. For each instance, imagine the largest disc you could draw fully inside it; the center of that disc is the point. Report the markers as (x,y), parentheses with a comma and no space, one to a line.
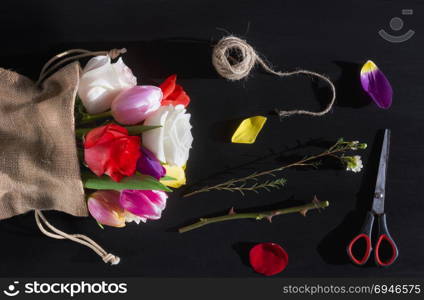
(170,143)
(101,81)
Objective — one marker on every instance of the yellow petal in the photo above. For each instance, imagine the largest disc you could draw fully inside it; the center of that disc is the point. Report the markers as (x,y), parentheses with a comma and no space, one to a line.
(176,172)
(248,130)
(369,66)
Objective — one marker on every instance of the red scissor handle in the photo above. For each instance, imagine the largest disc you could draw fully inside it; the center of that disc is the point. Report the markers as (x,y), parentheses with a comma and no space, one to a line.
(385,238)
(388,262)
(368,248)
(366,235)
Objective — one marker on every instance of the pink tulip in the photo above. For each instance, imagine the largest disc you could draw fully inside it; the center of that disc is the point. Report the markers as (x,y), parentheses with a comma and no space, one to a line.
(105,208)
(145,204)
(134,105)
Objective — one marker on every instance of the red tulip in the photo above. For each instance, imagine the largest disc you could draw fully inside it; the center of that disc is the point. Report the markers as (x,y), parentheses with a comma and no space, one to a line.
(173,94)
(110,150)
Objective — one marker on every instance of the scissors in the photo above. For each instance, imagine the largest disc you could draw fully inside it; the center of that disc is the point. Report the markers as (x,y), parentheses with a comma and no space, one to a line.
(389,255)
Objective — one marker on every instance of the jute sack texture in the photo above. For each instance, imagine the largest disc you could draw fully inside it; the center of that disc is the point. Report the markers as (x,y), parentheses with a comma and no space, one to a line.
(39,167)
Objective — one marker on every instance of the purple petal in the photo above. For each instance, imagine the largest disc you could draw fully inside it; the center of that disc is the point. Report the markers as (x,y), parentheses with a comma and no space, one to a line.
(148,164)
(145,204)
(375,83)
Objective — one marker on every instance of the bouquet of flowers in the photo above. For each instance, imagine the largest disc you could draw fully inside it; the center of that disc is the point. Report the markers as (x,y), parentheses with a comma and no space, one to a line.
(133,141)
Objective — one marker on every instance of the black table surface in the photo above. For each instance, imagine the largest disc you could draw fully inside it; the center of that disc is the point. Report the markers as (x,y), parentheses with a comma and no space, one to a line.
(165,37)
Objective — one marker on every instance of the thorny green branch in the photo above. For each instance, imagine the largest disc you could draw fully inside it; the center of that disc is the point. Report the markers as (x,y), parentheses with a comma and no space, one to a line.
(230,185)
(268,215)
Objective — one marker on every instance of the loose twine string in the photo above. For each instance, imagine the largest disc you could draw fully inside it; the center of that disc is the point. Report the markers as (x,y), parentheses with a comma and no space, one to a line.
(41,221)
(55,233)
(74,54)
(235,69)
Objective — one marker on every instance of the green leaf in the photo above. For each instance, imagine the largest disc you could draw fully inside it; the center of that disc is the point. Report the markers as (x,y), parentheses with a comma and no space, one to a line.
(132,130)
(135,182)
(100,225)
(168,178)
(138,129)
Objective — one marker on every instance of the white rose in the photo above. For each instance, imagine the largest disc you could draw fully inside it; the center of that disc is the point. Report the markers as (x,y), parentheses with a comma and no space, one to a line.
(101,81)
(170,143)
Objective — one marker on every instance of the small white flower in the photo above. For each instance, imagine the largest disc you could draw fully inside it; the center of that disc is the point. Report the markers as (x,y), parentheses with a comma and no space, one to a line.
(354,145)
(353,163)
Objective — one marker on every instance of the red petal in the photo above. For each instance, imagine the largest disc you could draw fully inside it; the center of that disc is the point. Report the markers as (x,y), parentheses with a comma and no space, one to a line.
(124,155)
(96,158)
(178,96)
(268,258)
(168,85)
(116,176)
(109,150)
(103,134)
(129,155)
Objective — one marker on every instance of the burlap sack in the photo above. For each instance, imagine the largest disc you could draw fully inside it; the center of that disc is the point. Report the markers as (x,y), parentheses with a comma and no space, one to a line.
(39,167)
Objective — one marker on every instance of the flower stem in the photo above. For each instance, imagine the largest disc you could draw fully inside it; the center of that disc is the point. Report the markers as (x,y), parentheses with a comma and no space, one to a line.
(90,118)
(307,161)
(255,215)
(80,132)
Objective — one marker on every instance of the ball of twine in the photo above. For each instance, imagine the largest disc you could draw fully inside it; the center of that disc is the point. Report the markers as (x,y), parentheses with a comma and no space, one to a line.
(234,59)
(228,66)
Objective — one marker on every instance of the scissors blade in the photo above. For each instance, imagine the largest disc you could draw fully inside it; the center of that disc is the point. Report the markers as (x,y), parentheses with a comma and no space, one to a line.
(380,187)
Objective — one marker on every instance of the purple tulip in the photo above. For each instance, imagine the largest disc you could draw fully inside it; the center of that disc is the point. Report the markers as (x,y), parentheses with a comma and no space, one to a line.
(145,204)
(148,164)
(134,105)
